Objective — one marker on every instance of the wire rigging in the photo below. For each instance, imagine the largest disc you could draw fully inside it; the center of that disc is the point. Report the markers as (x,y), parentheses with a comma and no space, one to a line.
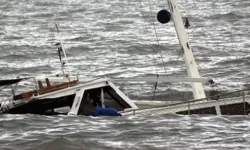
(157,38)
(146,27)
(154,59)
(158,43)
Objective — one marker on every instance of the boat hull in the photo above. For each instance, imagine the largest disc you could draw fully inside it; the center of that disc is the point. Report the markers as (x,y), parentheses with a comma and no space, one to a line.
(226,106)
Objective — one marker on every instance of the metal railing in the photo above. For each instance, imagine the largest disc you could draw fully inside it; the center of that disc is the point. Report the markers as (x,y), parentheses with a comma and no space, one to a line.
(219,97)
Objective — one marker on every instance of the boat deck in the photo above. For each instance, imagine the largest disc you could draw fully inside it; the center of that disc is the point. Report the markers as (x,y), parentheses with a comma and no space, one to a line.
(235,103)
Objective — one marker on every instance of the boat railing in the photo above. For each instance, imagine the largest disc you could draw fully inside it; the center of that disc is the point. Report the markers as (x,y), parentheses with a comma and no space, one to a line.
(214,98)
(219,97)
(40,89)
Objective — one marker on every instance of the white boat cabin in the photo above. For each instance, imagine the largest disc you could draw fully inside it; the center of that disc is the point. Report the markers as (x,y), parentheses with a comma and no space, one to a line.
(68,98)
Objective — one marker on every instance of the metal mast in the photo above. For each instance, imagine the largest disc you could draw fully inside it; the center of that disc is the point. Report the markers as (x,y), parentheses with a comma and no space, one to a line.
(64,60)
(192,70)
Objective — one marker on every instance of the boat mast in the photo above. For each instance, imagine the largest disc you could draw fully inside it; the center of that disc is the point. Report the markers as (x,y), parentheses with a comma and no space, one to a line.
(192,70)
(64,60)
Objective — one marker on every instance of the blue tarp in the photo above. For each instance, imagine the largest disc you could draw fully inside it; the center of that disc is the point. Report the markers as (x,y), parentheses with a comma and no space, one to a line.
(105,112)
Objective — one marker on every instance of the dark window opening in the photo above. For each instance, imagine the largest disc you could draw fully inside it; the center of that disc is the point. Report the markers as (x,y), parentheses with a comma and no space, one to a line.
(92,99)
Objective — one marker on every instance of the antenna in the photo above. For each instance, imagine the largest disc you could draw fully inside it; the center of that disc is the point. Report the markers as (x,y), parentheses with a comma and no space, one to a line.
(63,60)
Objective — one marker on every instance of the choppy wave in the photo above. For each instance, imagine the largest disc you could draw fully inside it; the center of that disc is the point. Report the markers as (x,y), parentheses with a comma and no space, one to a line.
(117,39)
(151,132)
(227,16)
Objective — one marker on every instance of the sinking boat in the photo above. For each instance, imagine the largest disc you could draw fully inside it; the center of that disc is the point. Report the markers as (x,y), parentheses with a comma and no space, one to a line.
(75,96)
(71,98)
(68,95)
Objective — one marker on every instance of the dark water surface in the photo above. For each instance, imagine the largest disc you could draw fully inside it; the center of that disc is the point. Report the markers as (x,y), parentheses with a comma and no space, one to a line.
(117,39)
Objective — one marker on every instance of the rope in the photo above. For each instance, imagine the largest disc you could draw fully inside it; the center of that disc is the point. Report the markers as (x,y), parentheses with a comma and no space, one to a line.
(157,38)
(145,26)
(154,59)
(156,83)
